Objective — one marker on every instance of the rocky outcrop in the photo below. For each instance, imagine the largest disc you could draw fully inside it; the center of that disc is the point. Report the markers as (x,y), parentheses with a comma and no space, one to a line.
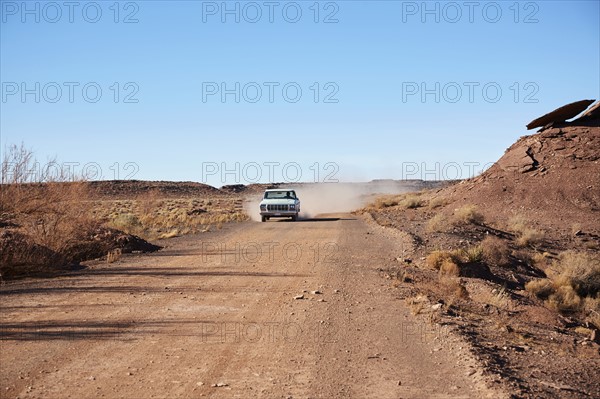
(592,113)
(519,159)
(560,114)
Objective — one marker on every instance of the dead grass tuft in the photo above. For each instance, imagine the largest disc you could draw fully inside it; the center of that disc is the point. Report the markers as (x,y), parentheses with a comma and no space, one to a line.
(114,255)
(449,267)
(541,288)
(526,235)
(453,289)
(467,214)
(435,259)
(495,251)
(437,202)
(438,223)
(573,284)
(412,202)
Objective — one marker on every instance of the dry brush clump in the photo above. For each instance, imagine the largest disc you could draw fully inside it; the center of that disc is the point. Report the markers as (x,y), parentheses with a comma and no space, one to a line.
(526,235)
(154,217)
(495,251)
(573,284)
(45,209)
(468,214)
(405,201)
(463,216)
(451,262)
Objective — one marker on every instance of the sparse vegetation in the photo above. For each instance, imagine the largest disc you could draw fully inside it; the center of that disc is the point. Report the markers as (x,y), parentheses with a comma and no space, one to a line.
(55,218)
(526,235)
(48,210)
(573,283)
(452,289)
(462,216)
(159,218)
(114,255)
(498,298)
(406,201)
(412,202)
(467,214)
(495,251)
(435,259)
(449,262)
(437,202)
(472,254)
(438,223)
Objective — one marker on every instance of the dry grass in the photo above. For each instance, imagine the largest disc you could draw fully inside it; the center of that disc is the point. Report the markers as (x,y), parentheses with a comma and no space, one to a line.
(526,235)
(499,299)
(385,202)
(49,215)
(437,202)
(450,268)
(472,254)
(468,214)
(152,217)
(438,223)
(52,213)
(412,201)
(417,304)
(495,251)
(462,216)
(452,289)
(114,255)
(435,259)
(406,201)
(542,288)
(449,262)
(573,284)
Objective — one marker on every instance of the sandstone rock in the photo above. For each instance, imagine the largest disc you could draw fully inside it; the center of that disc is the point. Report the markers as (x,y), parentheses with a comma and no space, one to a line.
(519,159)
(592,113)
(560,114)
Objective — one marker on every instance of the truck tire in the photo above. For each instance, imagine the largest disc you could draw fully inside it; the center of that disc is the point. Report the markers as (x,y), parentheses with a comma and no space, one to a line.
(294,218)
(263,218)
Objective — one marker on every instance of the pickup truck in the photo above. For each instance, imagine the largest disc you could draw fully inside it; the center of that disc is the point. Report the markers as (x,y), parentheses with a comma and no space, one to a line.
(279,203)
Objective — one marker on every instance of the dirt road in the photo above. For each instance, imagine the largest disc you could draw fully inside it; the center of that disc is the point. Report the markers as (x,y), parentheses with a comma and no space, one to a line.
(216,315)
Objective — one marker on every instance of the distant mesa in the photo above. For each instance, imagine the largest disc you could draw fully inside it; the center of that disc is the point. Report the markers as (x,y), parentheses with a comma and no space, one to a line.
(563,113)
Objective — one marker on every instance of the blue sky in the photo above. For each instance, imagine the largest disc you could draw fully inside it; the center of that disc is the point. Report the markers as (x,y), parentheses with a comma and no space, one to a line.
(486,68)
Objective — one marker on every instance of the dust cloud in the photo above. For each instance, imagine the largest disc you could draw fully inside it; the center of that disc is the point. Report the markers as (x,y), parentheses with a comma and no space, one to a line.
(323,198)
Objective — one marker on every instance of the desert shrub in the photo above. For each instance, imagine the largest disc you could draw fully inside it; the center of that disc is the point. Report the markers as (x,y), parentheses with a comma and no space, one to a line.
(449,267)
(407,201)
(541,288)
(472,254)
(412,201)
(592,307)
(529,237)
(46,205)
(581,271)
(127,222)
(437,202)
(450,262)
(386,202)
(526,235)
(435,259)
(495,251)
(574,283)
(467,214)
(114,255)
(452,288)
(438,223)
(564,299)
